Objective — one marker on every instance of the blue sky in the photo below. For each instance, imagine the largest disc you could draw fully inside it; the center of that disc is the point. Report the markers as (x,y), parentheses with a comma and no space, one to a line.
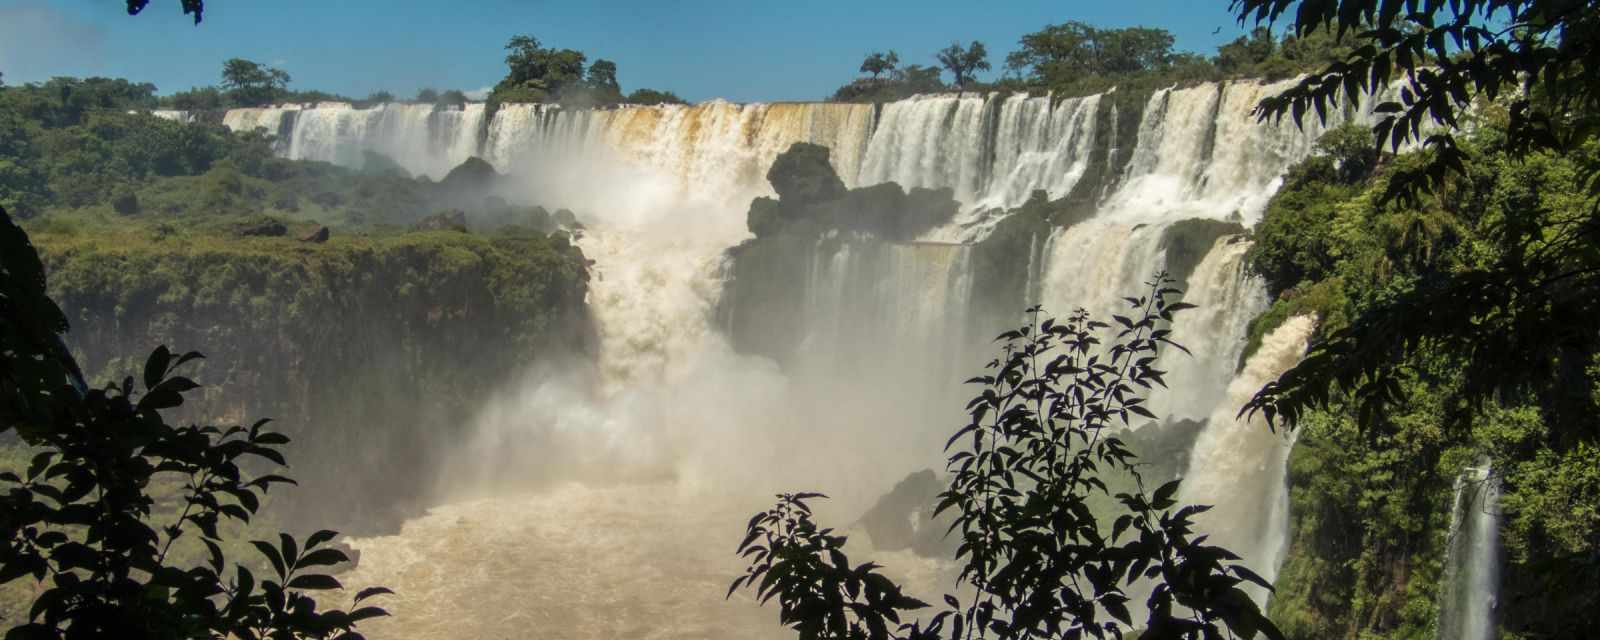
(745,50)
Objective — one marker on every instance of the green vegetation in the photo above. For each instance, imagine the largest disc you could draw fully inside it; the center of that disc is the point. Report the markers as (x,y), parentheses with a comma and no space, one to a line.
(877,63)
(367,348)
(1077,59)
(251,84)
(1372,488)
(160,232)
(653,97)
(1455,288)
(961,62)
(536,73)
(81,521)
(1512,313)
(1036,561)
(901,83)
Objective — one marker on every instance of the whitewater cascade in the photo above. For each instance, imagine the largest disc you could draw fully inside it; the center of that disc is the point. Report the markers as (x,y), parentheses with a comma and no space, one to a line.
(1472,574)
(424,139)
(1226,298)
(1238,465)
(1199,151)
(597,498)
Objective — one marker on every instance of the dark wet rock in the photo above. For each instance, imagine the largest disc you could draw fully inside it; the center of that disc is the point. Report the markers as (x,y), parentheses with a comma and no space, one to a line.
(903,518)
(1188,241)
(812,199)
(125,202)
(474,174)
(802,175)
(317,236)
(565,218)
(1164,447)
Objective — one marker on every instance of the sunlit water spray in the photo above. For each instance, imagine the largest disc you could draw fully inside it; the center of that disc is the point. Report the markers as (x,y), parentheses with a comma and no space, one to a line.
(603,497)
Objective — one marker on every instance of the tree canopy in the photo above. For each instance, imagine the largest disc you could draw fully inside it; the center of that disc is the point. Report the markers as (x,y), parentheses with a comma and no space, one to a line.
(1513,319)
(961,62)
(878,63)
(252,83)
(1077,48)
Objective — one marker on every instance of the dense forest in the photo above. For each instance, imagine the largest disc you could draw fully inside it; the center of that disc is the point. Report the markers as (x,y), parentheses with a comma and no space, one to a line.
(1449,269)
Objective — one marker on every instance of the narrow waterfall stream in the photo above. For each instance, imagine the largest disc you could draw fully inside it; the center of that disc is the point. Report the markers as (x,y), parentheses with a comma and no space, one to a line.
(1472,569)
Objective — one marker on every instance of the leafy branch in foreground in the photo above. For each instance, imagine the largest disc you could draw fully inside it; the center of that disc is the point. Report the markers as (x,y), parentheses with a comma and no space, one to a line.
(1541,55)
(1517,317)
(1038,562)
(80,521)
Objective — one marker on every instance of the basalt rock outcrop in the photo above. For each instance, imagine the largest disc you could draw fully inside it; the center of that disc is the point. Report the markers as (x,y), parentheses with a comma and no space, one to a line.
(813,200)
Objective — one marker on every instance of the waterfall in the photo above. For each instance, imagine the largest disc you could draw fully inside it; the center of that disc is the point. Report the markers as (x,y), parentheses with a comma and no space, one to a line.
(424,139)
(1472,574)
(1226,298)
(268,120)
(1199,151)
(1239,466)
(881,333)
(175,115)
(882,311)
(715,151)
(1093,265)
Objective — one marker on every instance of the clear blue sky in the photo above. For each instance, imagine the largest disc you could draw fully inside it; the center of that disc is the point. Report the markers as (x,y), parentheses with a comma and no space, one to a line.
(743,50)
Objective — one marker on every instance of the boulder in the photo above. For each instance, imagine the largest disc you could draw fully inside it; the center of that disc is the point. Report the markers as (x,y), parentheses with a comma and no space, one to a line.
(1163,447)
(350,552)
(802,176)
(473,175)
(538,218)
(875,209)
(903,518)
(125,202)
(765,216)
(317,236)
(1187,242)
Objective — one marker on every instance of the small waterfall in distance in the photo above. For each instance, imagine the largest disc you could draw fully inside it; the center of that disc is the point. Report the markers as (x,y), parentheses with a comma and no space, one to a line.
(424,139)
(1472,566)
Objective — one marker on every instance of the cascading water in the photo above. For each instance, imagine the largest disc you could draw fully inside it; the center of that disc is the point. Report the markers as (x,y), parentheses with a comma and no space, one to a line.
(1472,573)
(422,138)
(1199,151)
(596,497)
(1226,298)
(1093,265)
(716,151)
(1238,465)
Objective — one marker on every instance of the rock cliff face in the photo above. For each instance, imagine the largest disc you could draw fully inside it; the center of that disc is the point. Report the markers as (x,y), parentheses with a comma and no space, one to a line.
(370,353)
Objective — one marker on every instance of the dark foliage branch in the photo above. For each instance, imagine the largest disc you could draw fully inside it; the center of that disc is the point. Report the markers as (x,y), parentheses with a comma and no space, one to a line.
(1519,324)
(1040,443)
(1541,55)
(80,521)
(190,7)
